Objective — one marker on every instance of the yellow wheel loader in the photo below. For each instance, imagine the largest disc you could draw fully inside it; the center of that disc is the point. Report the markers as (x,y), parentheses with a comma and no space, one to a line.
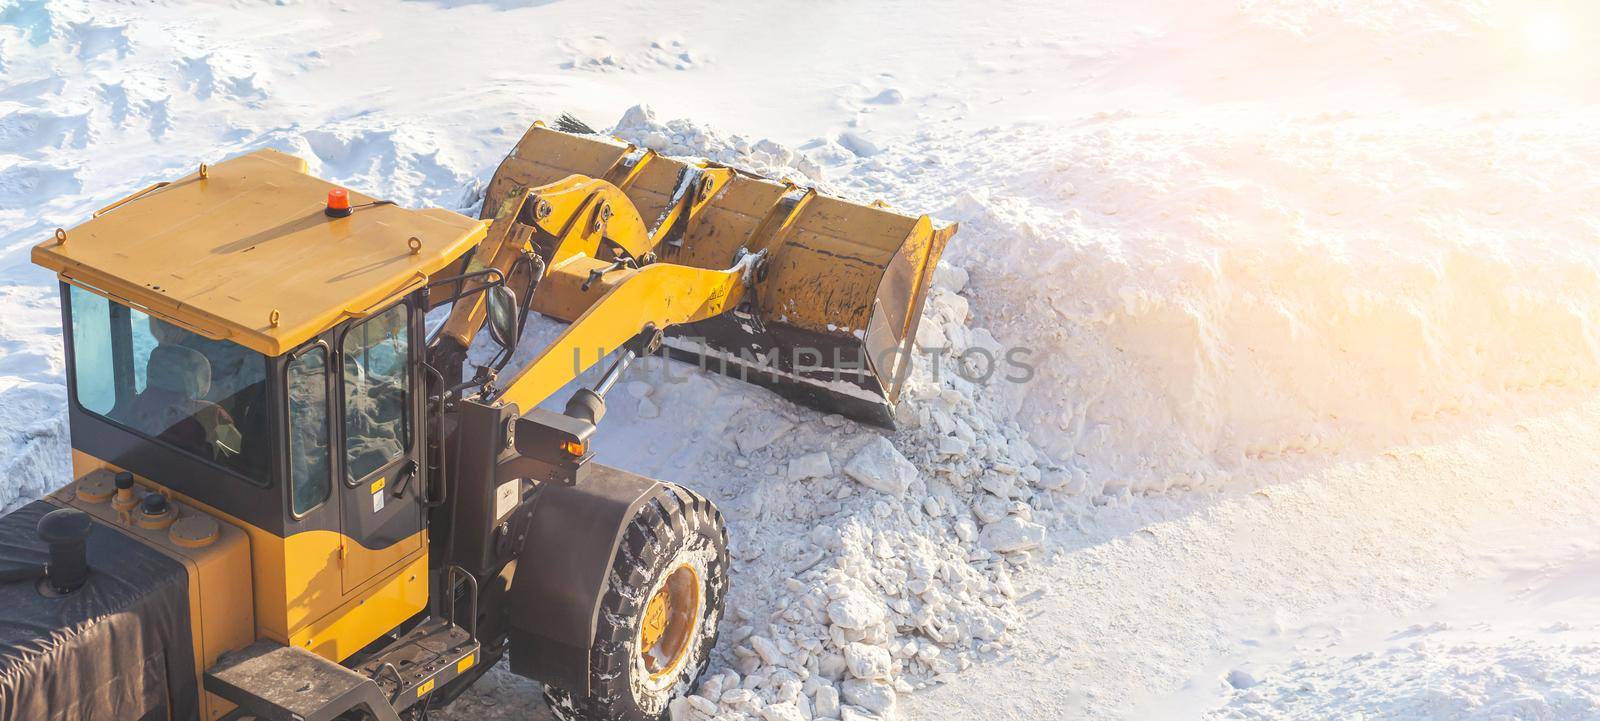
(296,498)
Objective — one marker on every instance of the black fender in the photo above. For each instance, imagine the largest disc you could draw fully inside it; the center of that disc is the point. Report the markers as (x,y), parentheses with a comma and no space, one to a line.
(563,569)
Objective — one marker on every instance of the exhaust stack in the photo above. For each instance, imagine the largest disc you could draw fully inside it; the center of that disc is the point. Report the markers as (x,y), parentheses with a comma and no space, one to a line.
(65,531)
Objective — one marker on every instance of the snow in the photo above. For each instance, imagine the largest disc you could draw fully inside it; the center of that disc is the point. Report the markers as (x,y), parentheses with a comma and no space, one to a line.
(1258,383)
(1521,644)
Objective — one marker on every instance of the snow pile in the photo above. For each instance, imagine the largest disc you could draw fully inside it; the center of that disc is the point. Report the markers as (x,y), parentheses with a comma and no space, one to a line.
(383,159)
(802,166)
(1201,301)
(35,448)
(864,566)
(683,138)
(72,27)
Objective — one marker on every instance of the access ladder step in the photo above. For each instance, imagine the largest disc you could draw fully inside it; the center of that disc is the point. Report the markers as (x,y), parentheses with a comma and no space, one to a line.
(426,658)
(275,682)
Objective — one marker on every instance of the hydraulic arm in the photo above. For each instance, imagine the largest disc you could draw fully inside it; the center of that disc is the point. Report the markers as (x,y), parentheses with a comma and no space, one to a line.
(578,248)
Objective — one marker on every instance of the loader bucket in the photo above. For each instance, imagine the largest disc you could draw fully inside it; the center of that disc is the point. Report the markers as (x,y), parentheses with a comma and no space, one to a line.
(835,308)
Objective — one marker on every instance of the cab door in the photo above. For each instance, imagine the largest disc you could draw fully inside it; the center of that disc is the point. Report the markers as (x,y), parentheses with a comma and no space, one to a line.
(381,516)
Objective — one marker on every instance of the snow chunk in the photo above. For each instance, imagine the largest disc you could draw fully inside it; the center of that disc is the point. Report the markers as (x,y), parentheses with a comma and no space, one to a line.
(889,96)
(859,144)
(855,612)
(761,433)
(881,467)
(874,696)
(691,708)
(648,409)
(1011,534)
(867,661)
(1055,480)
(1001,485)
(826,703)
(954,446)
(638,116)
(811,465)
(782,712)
(1240,678)
(949,277)
(767,650)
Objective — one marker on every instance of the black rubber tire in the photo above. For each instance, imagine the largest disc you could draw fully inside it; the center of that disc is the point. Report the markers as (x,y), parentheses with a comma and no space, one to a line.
(675,526)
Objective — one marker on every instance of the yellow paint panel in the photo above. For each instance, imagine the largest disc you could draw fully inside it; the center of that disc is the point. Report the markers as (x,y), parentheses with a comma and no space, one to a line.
(660,293)
(424,688)
(466,663)
(362,564)
(367,615)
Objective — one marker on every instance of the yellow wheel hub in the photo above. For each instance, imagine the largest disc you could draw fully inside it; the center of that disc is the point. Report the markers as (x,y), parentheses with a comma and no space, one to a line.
(669,622)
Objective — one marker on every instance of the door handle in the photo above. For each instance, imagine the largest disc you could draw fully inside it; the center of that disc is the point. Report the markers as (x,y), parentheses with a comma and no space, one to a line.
(408,472)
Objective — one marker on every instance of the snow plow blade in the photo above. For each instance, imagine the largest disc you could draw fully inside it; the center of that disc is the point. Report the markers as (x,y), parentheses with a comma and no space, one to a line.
(835,304)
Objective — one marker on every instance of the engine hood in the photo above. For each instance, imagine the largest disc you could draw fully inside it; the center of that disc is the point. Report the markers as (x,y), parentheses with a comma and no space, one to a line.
(118,649)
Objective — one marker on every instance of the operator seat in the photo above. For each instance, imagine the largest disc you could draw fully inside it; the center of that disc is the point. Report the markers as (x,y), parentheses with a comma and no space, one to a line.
(179,370)
(173,405)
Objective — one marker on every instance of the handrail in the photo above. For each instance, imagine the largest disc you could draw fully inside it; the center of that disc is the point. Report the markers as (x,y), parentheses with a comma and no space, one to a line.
(203,173)
(417,280)
(151,189)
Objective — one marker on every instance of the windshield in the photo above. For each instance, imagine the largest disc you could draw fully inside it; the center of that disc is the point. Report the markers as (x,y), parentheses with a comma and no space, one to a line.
(207,398)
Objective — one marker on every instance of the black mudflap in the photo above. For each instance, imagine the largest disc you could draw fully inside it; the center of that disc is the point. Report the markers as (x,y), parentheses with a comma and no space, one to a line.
(561,573)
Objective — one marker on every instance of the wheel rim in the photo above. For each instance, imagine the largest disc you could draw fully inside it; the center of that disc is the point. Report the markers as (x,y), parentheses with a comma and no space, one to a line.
(669,622)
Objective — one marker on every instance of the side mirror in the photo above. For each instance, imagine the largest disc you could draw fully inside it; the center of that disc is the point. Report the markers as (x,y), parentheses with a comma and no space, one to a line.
(503,313)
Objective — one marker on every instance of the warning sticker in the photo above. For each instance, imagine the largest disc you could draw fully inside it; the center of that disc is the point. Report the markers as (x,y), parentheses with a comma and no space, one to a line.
(505,498)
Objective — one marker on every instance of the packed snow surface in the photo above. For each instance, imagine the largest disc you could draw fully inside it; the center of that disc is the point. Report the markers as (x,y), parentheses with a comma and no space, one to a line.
(1258,383)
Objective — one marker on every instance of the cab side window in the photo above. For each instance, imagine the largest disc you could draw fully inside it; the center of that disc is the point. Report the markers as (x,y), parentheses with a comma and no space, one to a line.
(377,391)
(309,470)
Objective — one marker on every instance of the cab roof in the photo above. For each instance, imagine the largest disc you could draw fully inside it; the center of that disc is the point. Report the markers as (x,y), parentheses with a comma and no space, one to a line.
(243,252)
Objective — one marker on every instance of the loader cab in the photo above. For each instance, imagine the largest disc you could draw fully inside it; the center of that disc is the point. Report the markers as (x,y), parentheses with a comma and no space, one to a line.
(323,439)
(316,453)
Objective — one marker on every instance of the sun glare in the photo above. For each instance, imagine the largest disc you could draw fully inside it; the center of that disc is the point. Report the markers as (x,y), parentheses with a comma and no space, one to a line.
(1547,34)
